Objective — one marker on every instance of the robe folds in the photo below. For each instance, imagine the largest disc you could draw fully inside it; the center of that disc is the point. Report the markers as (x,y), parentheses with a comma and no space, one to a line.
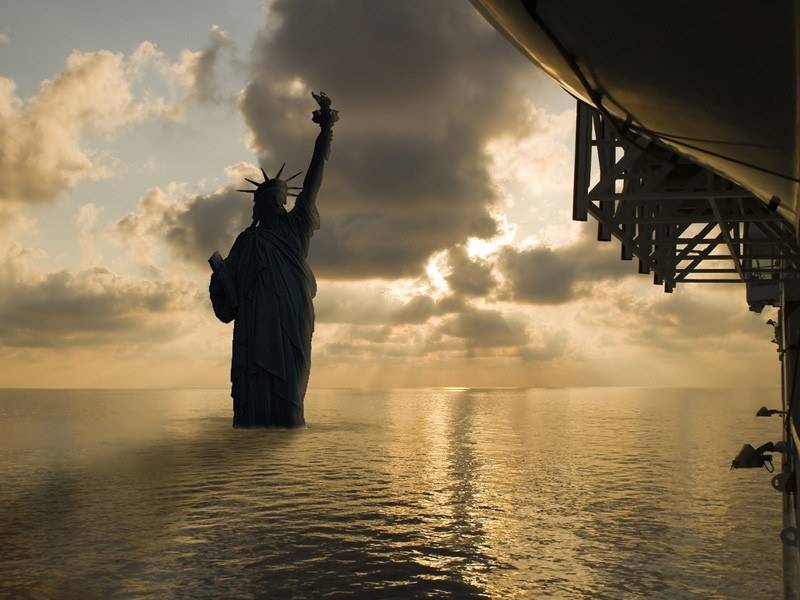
(274,319)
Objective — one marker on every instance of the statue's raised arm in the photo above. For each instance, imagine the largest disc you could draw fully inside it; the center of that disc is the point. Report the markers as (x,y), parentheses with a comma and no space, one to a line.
(325,117)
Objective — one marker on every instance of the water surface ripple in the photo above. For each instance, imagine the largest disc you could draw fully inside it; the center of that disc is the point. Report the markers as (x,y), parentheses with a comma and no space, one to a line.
(436,493)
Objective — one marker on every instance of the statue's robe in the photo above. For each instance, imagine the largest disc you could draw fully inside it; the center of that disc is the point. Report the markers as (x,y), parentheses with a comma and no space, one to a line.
(274,319)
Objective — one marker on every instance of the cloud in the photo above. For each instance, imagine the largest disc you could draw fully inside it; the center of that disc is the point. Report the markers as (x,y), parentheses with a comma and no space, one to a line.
(539,275)
(198,68)
(468,277)
(11,219)
(710,314)
(4,40)
(205,224)
(544,275)
(408,174)
(679,320)
(547,348)
(41,149)
(372,303)
(191,226)
(484,328)
(451,335)
(42,139)
(92,307)
(86,220)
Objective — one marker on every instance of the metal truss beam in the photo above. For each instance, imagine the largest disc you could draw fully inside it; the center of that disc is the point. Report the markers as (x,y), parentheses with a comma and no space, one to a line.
(675,216)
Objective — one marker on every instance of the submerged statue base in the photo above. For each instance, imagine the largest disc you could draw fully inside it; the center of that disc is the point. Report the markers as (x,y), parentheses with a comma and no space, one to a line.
(258,403)
(267,288)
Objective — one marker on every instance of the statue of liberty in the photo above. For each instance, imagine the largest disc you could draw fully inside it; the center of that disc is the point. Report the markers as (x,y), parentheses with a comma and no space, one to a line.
(266,287)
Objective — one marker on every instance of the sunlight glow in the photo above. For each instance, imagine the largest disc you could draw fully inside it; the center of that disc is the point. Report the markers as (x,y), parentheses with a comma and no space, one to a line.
(405,289)
(478,248)
(436,269)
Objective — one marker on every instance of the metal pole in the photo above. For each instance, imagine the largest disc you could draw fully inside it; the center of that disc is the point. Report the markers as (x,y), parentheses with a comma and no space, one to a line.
(789,320)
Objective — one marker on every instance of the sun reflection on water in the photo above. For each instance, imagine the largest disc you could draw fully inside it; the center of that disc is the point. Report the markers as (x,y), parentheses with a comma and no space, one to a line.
(449,492)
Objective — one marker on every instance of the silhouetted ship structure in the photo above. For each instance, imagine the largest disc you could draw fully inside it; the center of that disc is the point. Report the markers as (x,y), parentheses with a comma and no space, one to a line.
(689,114)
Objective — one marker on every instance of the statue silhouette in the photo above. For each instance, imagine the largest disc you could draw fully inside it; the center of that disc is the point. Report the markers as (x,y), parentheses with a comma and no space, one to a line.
(266,287)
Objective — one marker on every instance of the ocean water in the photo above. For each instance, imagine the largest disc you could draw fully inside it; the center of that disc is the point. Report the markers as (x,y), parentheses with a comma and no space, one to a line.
(424,493)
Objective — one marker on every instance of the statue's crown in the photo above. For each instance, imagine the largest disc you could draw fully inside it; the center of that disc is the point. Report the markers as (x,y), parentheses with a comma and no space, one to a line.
(269,184)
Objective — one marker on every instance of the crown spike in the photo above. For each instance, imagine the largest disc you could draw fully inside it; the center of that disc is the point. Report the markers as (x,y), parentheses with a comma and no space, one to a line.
(293,176)
(280,171)
(247,191)
(266,177)
(255,183)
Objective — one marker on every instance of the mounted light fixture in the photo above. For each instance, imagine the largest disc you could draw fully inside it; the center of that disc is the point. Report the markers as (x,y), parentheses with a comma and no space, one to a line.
(755,458)
(768,412)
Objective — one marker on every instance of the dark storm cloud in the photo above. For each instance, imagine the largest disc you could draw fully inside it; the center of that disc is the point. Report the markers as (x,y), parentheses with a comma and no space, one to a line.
(417,310)
(468,277)
(539,275)
(421,87)
(487,328)
(91,307)
(194,228)
(545,276)
(209,223)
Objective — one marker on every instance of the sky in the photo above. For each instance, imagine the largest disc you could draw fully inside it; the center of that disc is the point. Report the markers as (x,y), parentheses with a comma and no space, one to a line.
(446,255)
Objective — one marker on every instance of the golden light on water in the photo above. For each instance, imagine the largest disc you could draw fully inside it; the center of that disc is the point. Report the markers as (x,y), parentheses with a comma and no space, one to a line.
(505,493)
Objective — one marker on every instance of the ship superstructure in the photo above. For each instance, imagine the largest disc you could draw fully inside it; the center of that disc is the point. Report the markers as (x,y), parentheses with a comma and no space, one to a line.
(687,151)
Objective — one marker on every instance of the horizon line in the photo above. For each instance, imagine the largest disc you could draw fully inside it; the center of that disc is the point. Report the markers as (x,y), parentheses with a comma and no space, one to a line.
(453,388)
